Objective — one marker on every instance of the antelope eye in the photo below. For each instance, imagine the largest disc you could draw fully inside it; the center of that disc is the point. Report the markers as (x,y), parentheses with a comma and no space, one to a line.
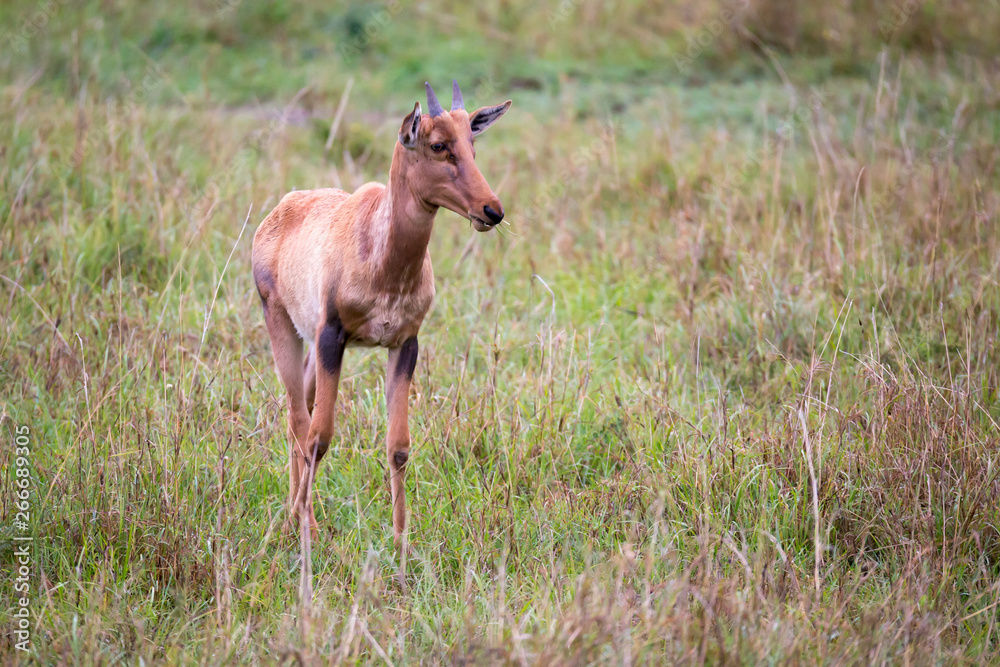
(437,148)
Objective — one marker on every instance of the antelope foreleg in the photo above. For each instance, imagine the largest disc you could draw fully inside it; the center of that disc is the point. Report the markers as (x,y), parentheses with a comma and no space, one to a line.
(331,339)
(402,362)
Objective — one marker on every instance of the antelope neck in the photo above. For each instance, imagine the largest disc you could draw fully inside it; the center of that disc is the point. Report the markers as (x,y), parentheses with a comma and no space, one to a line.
(410,221)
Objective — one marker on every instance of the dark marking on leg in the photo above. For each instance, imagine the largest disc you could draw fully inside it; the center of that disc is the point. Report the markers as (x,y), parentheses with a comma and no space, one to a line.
(321,449)
(332,315)
(330,347)
(407,361)
(264,282)
(400,458)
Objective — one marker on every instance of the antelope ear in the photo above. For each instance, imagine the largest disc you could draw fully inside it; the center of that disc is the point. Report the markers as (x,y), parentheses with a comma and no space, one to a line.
(483,118)
(411,124)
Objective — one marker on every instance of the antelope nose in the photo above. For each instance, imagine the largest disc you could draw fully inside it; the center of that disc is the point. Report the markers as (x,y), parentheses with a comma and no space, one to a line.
(493,215)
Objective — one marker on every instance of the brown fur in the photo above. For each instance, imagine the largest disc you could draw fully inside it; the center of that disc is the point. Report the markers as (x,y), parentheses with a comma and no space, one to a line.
(345,269)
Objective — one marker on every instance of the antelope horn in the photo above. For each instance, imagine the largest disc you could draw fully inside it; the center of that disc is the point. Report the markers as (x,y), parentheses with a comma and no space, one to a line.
(456,97)
(433,106)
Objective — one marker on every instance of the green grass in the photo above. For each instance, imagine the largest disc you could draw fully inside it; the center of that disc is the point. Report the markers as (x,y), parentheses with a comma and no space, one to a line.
(717,394)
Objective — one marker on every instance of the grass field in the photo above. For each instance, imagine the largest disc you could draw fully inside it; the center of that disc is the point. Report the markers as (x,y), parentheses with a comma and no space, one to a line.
(726,389)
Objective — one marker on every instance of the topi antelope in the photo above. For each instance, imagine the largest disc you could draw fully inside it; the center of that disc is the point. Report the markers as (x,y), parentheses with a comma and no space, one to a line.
(345,269)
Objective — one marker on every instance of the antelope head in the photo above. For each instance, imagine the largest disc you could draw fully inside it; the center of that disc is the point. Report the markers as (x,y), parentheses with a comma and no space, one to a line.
(440,158)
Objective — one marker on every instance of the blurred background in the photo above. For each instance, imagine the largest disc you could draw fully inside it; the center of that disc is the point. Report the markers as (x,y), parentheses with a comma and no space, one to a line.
(244,52)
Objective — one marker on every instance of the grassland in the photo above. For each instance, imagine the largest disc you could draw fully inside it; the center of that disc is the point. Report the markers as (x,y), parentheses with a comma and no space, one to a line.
(725,390)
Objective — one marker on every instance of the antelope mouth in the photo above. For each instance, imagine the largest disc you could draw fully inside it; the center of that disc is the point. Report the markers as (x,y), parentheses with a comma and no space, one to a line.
(482,225)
